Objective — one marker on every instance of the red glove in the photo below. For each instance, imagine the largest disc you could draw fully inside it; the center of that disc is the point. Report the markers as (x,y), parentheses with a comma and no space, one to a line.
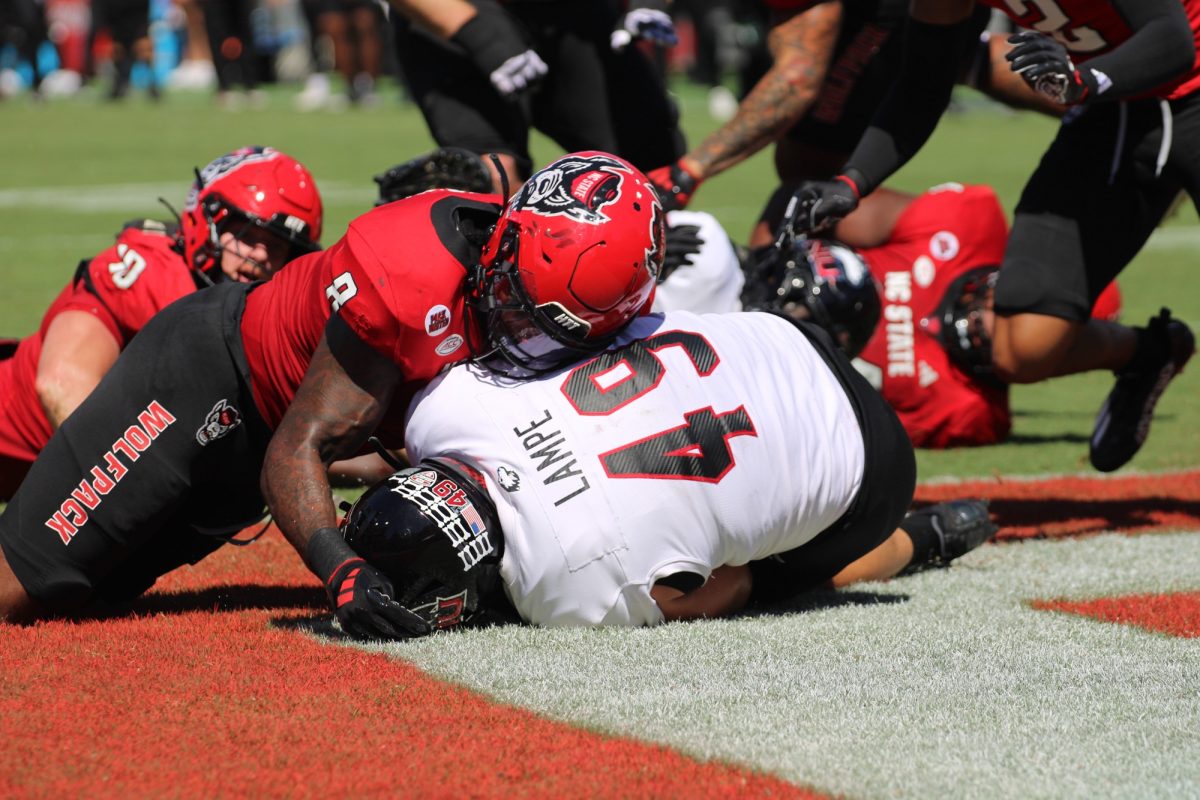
(675,185)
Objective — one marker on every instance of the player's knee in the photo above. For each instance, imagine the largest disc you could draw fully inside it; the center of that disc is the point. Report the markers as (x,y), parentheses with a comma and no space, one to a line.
(1026,350)
(1011,365)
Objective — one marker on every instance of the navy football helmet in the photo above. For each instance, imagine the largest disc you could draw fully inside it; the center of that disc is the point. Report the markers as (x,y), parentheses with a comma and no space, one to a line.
(821,281)
(432,530)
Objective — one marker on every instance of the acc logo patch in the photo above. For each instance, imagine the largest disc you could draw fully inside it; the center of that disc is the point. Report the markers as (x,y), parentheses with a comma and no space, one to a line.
(437,319)
(220,421)
(449,345)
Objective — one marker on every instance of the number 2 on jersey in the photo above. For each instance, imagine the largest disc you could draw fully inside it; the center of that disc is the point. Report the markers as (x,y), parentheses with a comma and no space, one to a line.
(697,450)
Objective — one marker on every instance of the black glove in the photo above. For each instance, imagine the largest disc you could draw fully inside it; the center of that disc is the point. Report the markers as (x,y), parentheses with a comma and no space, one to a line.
(444,168)
(675,185)
(822,204)
(1045,65)
(651,24)
(683,244)
(361,596)
(495,46)
(763,267)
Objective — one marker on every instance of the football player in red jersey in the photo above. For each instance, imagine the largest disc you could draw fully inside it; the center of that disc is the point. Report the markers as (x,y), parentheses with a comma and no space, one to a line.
(162,463)
(1128,72)
(933,259)
(249,212)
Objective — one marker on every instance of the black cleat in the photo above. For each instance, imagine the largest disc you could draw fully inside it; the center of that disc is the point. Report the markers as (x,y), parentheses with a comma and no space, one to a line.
(1124,419)
(943,532)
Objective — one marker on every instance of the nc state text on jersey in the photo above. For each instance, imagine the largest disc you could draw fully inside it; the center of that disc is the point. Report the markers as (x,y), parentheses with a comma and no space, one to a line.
(545,448)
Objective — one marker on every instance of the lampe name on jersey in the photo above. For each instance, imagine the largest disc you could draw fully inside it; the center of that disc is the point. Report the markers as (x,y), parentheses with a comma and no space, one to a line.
(722,475)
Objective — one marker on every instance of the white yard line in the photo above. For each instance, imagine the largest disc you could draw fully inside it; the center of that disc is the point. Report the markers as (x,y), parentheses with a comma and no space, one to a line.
(144,196)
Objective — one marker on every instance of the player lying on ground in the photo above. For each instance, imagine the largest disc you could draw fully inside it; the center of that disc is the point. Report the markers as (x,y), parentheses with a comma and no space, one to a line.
(1123,154)
(702,462)
(247,214)
(161,464)
(906,286)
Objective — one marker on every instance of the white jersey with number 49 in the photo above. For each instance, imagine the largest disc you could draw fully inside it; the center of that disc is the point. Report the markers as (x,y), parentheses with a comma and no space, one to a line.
(696,441)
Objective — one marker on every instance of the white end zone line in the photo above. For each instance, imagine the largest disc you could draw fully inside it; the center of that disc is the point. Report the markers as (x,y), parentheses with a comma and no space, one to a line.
(140,197)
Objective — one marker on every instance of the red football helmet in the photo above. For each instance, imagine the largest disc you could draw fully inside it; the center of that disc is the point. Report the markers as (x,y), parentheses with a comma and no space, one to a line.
(574,257)
(256,188)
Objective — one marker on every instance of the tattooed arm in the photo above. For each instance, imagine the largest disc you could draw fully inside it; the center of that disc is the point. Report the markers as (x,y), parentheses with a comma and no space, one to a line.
(802,47)
(340,401)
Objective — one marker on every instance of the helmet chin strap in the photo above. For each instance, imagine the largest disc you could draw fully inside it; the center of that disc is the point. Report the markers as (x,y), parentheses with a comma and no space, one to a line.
(495,159)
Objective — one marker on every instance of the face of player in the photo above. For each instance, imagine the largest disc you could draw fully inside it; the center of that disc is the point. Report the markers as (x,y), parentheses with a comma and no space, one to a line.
(252,255)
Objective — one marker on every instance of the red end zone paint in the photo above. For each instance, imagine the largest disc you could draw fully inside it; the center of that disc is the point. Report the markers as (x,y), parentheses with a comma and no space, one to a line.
(1079,506)
(210,692)
(1172,614)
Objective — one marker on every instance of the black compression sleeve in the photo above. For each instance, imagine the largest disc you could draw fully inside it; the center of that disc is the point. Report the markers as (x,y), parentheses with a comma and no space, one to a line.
(909,114)
(1162,47)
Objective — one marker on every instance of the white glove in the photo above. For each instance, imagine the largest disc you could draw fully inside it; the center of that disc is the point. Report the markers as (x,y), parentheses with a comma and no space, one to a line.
(644,23)
(518,72)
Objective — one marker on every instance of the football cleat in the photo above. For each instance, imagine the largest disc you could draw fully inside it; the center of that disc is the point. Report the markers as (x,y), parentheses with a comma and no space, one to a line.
(1124,420)
(951,530)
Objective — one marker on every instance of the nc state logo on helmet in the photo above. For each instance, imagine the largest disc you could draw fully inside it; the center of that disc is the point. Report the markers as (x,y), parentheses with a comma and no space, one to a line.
(250,188)
(574,257)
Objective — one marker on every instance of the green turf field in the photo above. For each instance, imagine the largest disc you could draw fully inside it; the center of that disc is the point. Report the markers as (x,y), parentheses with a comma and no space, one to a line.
(72,170)
(229,678)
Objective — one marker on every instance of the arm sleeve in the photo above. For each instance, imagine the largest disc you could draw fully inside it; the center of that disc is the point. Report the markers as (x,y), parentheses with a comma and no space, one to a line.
(1162,47)
(911,110)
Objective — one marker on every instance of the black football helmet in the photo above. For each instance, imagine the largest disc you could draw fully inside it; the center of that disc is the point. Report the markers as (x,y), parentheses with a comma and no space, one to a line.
(963,334)
(822,281)
(432,530)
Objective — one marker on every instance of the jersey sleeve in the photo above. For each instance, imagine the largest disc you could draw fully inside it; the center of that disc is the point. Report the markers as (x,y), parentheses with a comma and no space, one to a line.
(127,284)
(400,293)
(358,298)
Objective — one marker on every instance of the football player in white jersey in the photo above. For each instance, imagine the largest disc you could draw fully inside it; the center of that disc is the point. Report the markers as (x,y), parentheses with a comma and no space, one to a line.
(702,271)
(700,461)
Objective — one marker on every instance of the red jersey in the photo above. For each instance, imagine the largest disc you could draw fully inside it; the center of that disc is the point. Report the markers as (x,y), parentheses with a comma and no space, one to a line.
(397,279)
(1089,28)
(123,287)
(944,233)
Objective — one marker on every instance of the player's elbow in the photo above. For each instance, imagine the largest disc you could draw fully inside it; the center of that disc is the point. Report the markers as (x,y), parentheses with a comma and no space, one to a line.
(60,390)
